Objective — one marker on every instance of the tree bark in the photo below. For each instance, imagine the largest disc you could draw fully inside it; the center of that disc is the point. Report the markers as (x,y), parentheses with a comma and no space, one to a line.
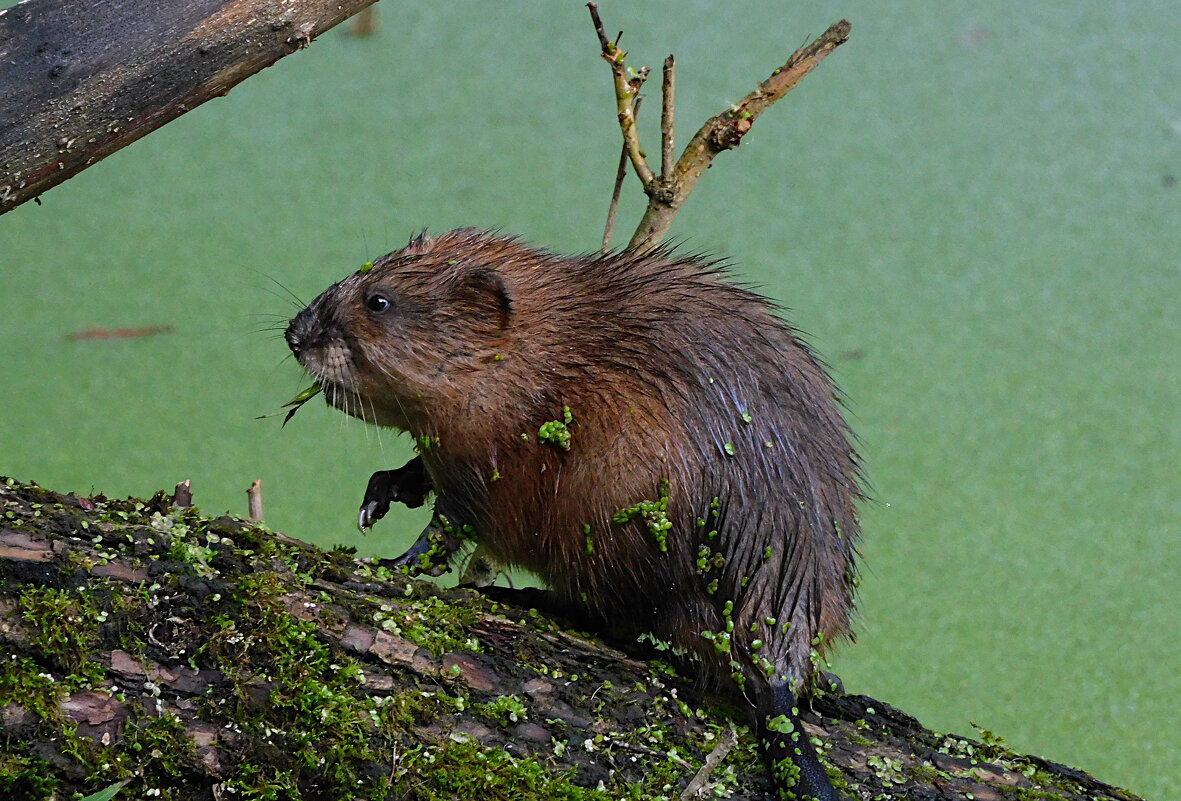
(80,79)
(210,658)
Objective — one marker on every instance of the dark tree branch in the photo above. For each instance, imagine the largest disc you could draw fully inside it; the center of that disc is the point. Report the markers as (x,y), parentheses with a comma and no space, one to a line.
(80,80)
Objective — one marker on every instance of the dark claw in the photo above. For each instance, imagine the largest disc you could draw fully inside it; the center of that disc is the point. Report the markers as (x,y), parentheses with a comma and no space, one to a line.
(373,510)
(408,484)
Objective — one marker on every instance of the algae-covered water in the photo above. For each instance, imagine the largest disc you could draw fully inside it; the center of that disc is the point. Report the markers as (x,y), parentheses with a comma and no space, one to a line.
(974,209)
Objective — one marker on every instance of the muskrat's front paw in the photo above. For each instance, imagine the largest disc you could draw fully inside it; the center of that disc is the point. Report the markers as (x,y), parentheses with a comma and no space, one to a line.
(408,484)
(429,555)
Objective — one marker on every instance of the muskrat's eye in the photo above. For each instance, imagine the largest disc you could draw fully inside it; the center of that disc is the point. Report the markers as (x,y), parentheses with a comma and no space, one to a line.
(377,303)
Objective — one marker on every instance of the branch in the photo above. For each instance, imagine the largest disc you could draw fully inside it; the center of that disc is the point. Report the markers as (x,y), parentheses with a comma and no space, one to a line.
(254,501)
(620,175)
(726,130)
(668,192)
(668,92)
(81,80)
(626,90)
(203,657)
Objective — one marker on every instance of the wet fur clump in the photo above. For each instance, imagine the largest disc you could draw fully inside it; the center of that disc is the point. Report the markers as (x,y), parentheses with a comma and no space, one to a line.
(706,491)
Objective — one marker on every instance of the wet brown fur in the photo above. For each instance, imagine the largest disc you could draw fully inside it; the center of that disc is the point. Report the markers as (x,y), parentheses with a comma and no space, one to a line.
(658,357)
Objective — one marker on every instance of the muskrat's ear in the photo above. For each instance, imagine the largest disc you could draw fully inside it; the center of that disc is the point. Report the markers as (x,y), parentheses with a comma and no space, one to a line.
(485,289)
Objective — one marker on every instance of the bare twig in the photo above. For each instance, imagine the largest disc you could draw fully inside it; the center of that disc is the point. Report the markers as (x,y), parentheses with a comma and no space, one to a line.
(626,90)
(667,150)
(725,131)
(725,746)
(182,497)
(254,498)
(667,193)
(620,174)
(604,42)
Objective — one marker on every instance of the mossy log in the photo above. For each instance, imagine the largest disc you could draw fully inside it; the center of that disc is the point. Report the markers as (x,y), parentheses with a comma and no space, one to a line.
(209,658)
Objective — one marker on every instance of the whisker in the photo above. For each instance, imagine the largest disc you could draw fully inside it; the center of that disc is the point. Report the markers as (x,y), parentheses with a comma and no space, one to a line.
(295,299)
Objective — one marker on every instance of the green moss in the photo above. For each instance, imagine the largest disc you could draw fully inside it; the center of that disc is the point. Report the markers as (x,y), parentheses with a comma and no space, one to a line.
(662,780)
(64,626)
(23,682)
(467,770)
(505,711)
(839,781)
(263,783)
(408,709)
(923,774)
(987,737)
(190,553)
(314,716)
(25,778)
(154,748)
(430,624)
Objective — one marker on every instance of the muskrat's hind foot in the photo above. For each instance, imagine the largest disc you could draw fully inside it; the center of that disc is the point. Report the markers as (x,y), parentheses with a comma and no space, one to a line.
(787,749)
(430,554)
(408,484)
(829,682)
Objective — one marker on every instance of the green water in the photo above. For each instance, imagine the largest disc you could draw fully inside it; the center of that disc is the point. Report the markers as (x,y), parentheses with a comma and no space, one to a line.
(973,208)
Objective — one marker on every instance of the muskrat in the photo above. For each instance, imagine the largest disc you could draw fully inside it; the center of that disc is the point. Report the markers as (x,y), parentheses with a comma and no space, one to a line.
(648,438)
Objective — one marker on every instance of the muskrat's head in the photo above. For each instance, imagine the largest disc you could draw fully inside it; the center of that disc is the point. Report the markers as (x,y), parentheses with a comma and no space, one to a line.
(414,332)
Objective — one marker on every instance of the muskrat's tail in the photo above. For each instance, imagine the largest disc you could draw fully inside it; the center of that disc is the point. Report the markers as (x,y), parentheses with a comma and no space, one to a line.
(795,769)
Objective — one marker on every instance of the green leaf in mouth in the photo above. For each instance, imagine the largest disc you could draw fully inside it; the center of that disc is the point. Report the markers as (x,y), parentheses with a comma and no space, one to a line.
(295,403)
